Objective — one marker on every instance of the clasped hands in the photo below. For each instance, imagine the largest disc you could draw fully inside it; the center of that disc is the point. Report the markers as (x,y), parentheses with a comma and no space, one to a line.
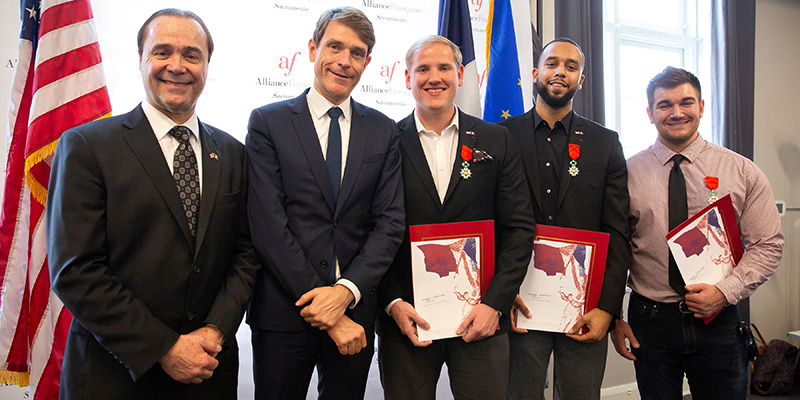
(324,309)
(192,358)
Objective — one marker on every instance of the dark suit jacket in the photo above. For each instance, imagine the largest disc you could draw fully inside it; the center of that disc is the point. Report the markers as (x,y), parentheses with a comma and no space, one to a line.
(295,223)
(596,199)
(496,190)
(122,261)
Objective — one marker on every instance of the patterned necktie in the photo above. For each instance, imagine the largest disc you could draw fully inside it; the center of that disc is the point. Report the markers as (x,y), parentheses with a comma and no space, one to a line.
(678,212)
(187,177)
(333,156)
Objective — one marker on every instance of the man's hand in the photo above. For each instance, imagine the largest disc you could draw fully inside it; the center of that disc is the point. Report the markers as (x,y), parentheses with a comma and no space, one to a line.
(479,324)
(327,305)
(519,306)
(348,336)
(212,335)
(406,317)
(704,300)
(621,332)
(189,359)
(596,320)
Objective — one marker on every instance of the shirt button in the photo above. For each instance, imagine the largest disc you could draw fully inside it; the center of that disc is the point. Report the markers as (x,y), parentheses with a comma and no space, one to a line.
(547,164)
(548,190)
(550,217)
(189,316)
(549,140)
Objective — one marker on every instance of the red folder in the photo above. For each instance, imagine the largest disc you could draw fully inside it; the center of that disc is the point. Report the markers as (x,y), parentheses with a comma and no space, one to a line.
(456,230)
(598,241)
(727,216)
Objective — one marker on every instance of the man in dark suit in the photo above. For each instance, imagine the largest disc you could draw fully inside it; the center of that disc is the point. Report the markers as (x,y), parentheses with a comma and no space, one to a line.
(326,215)
(577,179)
(438,189)
(157,287)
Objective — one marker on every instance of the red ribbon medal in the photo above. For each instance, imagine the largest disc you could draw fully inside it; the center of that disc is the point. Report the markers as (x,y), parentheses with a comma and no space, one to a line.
(712,183)
(466,155)
(574,153)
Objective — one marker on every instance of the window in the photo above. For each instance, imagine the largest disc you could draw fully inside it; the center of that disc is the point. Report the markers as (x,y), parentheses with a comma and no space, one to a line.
(641,37)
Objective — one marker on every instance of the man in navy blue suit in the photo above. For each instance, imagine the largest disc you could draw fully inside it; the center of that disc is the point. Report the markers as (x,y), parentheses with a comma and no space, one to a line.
(325,204)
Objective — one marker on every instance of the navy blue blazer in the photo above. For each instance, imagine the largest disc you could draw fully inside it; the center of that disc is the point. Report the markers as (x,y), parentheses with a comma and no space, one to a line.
(295,223)
(496,190)
(122,260)
(596,199)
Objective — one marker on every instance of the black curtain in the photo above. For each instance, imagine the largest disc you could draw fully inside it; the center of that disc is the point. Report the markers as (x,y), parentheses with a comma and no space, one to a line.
(733,35)
(582,21)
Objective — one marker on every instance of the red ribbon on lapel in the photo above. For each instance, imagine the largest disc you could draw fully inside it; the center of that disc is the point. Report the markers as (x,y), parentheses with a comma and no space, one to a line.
(466,153)
(712,182)
(574,151)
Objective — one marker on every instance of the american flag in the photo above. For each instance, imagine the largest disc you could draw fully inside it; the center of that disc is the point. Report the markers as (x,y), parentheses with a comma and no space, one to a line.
(58,83)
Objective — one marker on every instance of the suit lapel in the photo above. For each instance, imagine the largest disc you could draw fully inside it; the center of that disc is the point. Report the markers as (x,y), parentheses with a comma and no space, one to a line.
(144,145)
(465,125)
(359,136)
(211,172)
(307,136)
(572,138)
(415,156)
(527,141)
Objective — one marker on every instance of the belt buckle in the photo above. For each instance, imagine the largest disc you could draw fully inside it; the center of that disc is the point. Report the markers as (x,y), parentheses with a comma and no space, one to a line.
(684,309)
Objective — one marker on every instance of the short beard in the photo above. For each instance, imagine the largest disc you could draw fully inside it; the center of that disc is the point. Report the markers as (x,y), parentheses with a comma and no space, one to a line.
(553,101)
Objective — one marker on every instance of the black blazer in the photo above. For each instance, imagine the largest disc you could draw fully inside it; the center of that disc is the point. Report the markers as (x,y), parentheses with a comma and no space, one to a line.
(496,190)
(295,223)
(596,199)
(123,263)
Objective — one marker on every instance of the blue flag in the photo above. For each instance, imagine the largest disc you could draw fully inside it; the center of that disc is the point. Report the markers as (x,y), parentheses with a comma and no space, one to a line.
(503,87)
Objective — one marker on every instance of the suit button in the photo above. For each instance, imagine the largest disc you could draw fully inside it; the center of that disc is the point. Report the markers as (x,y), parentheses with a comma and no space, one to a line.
(196,269)
(189,316)
(323,264)
(335,224)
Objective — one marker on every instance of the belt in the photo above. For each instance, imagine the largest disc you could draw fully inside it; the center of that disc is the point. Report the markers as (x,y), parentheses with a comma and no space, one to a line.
(679,306)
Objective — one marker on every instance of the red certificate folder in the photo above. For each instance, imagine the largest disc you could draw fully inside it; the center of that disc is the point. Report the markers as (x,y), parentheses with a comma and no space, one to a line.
(727,219)
(457,230)
(597,242)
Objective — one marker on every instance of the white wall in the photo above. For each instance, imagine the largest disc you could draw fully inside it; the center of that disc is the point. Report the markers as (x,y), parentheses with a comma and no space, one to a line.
(775,307)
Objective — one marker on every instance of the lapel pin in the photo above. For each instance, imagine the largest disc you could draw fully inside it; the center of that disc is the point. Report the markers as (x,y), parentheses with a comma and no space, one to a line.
(579,132)
(470,133)
(214,156)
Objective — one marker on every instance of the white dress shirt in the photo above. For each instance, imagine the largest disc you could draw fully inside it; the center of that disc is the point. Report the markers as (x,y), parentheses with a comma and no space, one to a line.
(440,153)
(319,106)
(162,124)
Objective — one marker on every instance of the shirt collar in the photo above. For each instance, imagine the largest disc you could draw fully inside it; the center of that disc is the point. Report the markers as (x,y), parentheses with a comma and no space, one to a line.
(664,154)
(566,121)
(421,128)
(162,124)
(319,105)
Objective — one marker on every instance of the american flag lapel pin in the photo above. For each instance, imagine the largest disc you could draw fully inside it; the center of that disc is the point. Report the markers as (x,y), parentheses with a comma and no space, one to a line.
(214,156)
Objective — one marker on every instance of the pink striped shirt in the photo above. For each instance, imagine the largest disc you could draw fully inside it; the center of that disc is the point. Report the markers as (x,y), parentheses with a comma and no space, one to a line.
(759,222)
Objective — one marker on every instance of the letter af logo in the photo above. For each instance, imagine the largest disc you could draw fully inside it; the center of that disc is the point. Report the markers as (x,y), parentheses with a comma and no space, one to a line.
(478,3)
(388,72)
(287,64)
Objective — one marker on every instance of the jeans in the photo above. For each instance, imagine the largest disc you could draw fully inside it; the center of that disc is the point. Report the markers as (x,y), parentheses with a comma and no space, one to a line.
(673,343)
